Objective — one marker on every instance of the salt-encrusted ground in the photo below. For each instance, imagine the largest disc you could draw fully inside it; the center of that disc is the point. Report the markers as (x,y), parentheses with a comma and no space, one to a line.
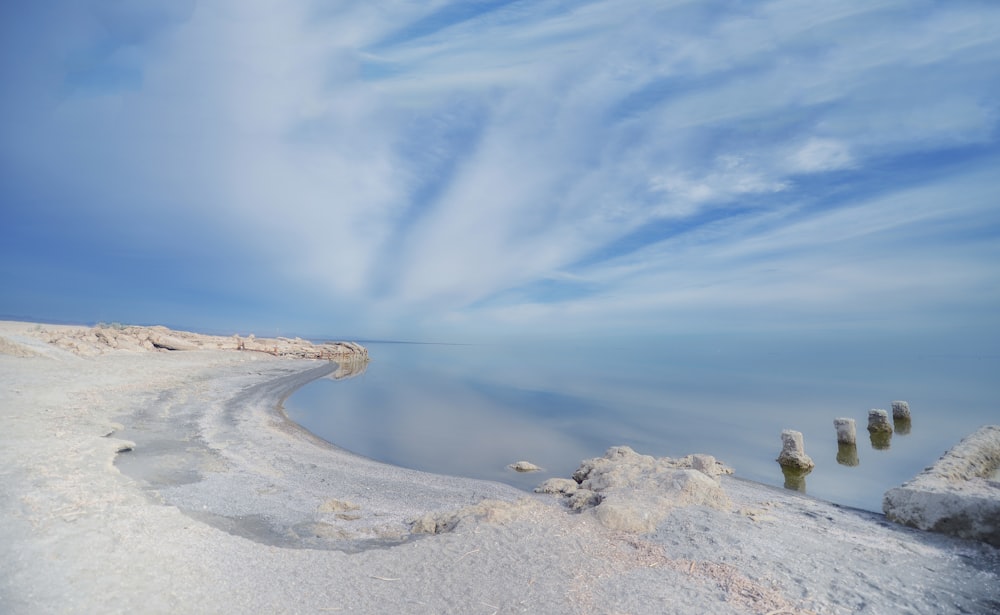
(222,506)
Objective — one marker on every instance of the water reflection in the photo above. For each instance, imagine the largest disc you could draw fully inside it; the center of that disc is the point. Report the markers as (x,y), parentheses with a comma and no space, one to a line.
(349,368)
(881,440)
(795,478)
(847,454)
(902,426)
(473,410)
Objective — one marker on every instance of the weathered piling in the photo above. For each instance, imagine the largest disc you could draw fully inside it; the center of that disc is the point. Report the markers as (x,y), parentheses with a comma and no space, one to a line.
(880,429)
(878,421)
(847,432)
(793,454)
(900,410)
(847,436)
(901,417)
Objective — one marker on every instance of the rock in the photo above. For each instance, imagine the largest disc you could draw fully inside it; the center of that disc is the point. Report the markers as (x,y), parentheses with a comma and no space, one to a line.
(103,339)
(166,340)
(632,492)
(13,348)
(561,486)
(793,454)
(709,466)
(582,499)
(524,466)
(958,495)
(639,514)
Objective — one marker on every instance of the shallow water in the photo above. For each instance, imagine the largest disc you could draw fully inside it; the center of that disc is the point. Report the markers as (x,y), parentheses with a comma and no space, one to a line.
(471,410)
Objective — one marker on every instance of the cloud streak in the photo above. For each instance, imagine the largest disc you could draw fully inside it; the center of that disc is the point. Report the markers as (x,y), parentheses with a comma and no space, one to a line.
(456,169)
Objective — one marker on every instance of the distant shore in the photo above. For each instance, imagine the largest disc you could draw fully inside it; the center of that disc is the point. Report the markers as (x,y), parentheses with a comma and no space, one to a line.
(162,477)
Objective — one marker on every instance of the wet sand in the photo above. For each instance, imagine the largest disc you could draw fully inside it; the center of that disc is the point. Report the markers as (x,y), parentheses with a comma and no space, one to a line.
(164,482)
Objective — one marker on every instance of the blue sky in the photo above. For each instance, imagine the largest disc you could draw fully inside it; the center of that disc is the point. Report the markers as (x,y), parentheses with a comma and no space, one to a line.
(486,168)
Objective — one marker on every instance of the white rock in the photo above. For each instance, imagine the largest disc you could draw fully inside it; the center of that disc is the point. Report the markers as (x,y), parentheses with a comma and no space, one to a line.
(958,494)
(633,492)
(562,486)
(524,466)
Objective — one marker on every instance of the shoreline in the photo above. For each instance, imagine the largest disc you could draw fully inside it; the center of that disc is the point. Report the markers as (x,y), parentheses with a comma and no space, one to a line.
(240,509)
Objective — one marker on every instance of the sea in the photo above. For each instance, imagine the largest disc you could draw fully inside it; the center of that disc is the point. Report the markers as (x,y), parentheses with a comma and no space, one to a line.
(473,409)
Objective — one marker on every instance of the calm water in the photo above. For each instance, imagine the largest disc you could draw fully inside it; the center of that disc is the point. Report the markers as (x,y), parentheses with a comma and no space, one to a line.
(471,410)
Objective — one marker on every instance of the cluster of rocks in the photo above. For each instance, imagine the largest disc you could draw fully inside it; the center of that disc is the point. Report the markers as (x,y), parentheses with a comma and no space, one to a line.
(632,492)
(102,339)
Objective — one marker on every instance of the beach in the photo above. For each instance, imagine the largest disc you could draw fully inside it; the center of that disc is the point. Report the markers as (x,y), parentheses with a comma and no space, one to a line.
(147,479)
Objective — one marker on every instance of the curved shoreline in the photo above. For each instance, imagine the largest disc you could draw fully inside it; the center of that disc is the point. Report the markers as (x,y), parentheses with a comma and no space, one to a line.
(280,484)
(82,537)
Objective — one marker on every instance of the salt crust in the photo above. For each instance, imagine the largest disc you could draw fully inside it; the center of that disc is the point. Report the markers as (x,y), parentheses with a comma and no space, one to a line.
(81,537)
(958,495)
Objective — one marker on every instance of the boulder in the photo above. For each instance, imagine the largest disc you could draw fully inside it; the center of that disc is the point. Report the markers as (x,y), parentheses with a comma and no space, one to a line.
(957,495)
(634,493)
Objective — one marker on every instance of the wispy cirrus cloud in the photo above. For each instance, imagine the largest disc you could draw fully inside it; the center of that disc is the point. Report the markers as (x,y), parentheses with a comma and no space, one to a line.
(448,168)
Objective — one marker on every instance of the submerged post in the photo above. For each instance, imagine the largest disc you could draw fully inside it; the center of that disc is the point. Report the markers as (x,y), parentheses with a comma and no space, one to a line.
(878,421)
(793,453)
(901,417)
(847,432)
(880,429)
(847,437)
(900,410)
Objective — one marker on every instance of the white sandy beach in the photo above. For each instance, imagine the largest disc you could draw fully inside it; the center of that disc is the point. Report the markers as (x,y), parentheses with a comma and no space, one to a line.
(218,504)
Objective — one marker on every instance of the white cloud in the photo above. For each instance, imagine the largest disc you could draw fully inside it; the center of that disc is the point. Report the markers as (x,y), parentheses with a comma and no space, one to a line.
(880,260)
(425,175)
(817,155)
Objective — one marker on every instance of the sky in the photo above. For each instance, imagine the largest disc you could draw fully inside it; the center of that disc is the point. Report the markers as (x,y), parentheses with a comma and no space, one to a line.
(494,169)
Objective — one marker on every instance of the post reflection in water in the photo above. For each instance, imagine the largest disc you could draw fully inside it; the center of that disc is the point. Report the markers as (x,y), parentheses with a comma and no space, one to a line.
(902,426)
(474,409)
(881,440)
(847,454)
(795,478)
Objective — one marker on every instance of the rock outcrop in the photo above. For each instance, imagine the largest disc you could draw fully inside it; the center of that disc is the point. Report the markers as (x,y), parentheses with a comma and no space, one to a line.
(108,338)
(634,493)
(958,495)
